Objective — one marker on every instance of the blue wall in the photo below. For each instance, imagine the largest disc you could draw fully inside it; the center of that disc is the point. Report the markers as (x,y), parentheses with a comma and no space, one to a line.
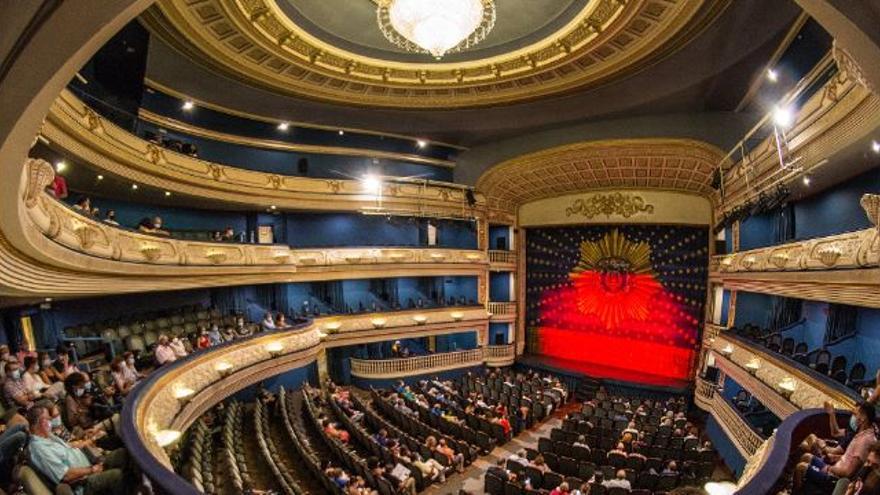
(129,214)
(757,231)
(725,447)
(497,232)
(837,209)
(309,230)
(498,330)
(753,308)
(725,306)
(290,380)
(499,286)
(461,341)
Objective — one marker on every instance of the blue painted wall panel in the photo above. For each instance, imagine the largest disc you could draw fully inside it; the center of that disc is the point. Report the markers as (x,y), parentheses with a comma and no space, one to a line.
(836,210)
(499,286)
(498,333)
(725,447)
(752,308)
(499,232)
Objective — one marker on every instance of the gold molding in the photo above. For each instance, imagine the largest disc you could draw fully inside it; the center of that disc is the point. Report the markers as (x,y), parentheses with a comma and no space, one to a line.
(272,144)
(255,42)
(680,165)
(625,205)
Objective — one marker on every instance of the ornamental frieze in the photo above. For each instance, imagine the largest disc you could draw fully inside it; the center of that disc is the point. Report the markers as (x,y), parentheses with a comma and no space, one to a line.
(625,205)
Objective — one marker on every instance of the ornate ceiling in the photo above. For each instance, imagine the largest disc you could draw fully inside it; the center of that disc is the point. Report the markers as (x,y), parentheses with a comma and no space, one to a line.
(682,165)
(297,48)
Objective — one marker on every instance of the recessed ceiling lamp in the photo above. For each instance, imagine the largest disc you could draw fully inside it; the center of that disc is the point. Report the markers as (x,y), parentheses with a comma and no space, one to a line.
(100,177)
(875,146)
(783,117)
(436,27)
(421,143)
(807,180)
(188,105)
(283,126)
(772,75)
(60,166)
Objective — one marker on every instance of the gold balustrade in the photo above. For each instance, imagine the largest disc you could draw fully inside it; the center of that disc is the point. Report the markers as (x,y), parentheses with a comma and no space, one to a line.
(502,308)
(432,363)
(499,355)
(744,437)
(502,257)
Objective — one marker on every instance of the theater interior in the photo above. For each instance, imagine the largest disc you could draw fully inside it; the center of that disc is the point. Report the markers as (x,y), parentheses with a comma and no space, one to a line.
(513,247)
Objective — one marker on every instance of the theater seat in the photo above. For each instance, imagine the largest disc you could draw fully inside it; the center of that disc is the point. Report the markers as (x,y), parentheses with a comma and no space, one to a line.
(34,484)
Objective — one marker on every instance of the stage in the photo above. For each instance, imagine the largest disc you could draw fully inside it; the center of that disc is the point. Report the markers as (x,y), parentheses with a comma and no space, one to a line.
(605,374)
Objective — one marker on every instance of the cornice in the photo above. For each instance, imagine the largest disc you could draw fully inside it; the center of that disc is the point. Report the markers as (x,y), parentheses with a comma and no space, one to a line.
(251,40)
(272,144)
(80,131)
(680,165)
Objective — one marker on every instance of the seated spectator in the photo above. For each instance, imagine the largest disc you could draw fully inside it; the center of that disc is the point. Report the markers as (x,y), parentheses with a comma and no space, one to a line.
(77,404)
(406,486)
(584,489)
(500,471)
(332,430)
(339,477)
(396,349)
(62,363)
(430,468)
(670,468)
(203,342)
(455,459)
(32,379)
(281,321)
(619,481)
(122,382)
(228,235)
(83,205)
(110,217)
(61,462)
(562,489)
(178,347)
(867,481)
(214,335)
(268,322)
(538,462)
(152,226)
(619,449)
(58,187)
(814,470)
(381,437)
(581,442)
(164,352)
(15,392)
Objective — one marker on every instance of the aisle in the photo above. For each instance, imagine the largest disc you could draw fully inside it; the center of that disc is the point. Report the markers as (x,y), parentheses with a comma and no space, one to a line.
(471,480)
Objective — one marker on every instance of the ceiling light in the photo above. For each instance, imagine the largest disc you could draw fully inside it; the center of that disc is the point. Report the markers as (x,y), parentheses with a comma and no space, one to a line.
(772,75)
(167,193)
(720,487)
(134,186)
(421,143)
(341,132)
(100,177)
(283,126)
(372,183)
(272,207)
(807,180)
(783,116)
(435,27)
(60,166)
(188,105)
(875,146)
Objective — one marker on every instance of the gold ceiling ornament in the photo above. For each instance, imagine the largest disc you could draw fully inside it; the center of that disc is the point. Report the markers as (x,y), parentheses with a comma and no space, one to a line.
(255,42)
(681,165)
(625,205)
(614,251)
(435,27)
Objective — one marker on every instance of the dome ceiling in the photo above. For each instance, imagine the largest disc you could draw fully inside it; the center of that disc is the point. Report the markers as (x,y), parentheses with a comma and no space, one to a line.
(333,50)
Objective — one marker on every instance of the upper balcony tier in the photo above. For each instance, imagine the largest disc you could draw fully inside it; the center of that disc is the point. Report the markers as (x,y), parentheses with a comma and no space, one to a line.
(78,130)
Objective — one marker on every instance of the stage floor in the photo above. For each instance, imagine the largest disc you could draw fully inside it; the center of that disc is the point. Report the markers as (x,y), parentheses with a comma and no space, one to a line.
(603,372)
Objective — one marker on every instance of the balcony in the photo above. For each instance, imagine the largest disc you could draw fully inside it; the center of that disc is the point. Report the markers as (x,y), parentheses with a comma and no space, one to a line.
(357,329)
(746,440)
(502,260)
(502,355)
(503,311)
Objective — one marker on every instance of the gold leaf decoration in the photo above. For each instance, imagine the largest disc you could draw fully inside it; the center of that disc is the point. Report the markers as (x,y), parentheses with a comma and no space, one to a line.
(625,205)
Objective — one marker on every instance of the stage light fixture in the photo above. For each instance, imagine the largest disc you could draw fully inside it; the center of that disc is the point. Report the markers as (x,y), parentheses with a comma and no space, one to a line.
(807,180)
(421,143)
(783,117)
(167,193)
(372,184)
(188,105)
(283,126)
(100,177)
(134,187)
(60,166)
(341,132)
(772,75)
(875,146)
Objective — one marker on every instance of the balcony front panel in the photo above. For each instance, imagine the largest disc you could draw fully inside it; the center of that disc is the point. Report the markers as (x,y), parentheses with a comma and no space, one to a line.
(502,260)
(503,311)
(357,329)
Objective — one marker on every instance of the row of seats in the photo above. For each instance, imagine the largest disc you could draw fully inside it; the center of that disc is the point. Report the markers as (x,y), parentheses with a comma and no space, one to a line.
(232,453)
(280,471)
(197,456)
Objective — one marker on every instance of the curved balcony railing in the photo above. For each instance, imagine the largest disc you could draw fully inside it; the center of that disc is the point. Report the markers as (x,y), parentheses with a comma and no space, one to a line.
(86,235)
(502,308)
(431,363)
(744,437)
(499,355)
(79,130)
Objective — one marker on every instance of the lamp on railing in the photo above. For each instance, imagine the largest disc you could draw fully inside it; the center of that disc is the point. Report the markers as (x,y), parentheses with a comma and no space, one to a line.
(787,387)
(274,348)
(753,366)
(183,394)
(720,487)
(420,319)
(457,315)
(379,322)
(223,368)
(727,350)
(166,437)
(332,326)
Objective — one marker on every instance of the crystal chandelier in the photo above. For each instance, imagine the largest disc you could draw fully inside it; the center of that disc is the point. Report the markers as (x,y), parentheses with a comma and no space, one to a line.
(436,27)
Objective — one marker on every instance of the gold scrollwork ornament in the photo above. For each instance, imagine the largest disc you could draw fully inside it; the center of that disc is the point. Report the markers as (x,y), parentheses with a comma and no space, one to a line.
(625,205)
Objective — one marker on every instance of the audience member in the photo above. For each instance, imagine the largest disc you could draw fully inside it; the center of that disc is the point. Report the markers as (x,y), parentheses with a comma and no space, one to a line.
(619,481)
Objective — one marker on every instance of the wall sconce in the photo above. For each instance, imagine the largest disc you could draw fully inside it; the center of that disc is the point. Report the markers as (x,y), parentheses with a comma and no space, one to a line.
(378,322)
(274,349)
(183,394)
(223,368)
(753,365)
(457,315)
(727,350)
(166,437)
(787,387)
(420,319)
(333,326)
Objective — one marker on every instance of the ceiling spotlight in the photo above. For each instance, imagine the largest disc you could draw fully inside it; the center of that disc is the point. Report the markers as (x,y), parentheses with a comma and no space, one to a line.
(100,177)
(272,207)
(134,186)
(421,143)
(875,146)
(188,105)
(783,116)
(341,132)
(372,183)
(807,180)
(283,126)
(167,193)
(772,75)
(60,166)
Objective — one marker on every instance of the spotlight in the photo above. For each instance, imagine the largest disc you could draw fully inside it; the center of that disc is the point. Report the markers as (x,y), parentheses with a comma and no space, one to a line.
(188,105)
(772,75)
(134,187)
(167,193)
(60,166)
(283,126)
(807,180)
(783,116)
(421,143)
(341,132)
(273,207)
(372,183)
(100,177)
(875,146)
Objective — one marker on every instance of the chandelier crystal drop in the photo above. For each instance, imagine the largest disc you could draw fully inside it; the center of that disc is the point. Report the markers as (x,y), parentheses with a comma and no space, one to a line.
(436,27)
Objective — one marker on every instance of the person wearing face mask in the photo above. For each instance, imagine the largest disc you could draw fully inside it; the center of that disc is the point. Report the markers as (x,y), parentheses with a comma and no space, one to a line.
(31,377)
(121,382)
(4,358)
(164,351)
(15,392)
(815,471)
(129,370)
(178,347)
(214,335)
(77,403)
(62,364)
(61,462)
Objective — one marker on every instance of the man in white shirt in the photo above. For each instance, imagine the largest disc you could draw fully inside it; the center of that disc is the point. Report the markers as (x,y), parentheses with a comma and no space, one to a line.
(619,481)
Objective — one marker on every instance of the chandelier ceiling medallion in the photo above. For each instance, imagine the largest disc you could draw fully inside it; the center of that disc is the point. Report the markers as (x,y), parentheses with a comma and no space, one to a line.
(436,27)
